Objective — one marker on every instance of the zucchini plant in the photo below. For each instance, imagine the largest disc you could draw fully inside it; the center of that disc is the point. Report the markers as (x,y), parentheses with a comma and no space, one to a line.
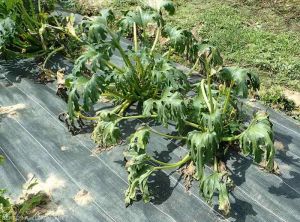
(30,28)
(206,114)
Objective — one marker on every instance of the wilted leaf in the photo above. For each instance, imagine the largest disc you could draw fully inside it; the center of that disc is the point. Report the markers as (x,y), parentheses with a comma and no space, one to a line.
(243,79)
(257,140)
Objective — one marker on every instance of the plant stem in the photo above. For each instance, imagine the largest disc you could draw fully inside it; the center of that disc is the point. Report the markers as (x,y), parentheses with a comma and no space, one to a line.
(93,118)
(122,52)
(194,67)
(112,65)
(160,162)
(52,54)
(192,124)
(155,41)
(205,96)
(124,106)
(231,138)
(227,98)
(167,135)
(174,165)
(135,38)
(208,72)
(137,117)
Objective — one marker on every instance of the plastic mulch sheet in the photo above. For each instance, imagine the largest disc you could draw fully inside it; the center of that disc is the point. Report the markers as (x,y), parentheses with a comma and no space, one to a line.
(35,142)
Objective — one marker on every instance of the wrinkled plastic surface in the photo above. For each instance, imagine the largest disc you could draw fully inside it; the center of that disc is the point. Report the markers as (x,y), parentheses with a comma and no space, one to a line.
(34,141)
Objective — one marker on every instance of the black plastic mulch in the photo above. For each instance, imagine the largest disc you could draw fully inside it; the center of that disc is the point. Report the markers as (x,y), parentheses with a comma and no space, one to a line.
(34,141)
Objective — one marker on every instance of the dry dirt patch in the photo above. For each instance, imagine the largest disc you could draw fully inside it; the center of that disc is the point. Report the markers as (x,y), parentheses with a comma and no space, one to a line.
(293,95)
(83,197)
(11,111)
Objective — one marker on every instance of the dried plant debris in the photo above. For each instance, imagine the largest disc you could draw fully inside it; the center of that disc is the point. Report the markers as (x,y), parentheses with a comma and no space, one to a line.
(188,172)
(11,111)
(278,145)
(83,197)
(35,201)
(61,88)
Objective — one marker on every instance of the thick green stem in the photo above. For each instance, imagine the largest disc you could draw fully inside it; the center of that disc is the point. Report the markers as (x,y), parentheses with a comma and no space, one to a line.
(193,68)
(122,52)
(137,117)
(155,41)
(160,162)
(124,106)
(174,165)
(192,124)
(80,115)
(205,96)
(135,38)
(227,98)
(113,66)
(167,135)
(208,73)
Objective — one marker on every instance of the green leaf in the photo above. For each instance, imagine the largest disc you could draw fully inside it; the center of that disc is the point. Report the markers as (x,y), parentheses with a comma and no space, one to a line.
(179,39)
(215,183)
(159,5)
(212,52)
(141,18)
(107,133)
(203,147)
(165,75)
(31,202)
(243,79)
(139,139)
(257,140)
(213,121)
(137,166)
(171,106)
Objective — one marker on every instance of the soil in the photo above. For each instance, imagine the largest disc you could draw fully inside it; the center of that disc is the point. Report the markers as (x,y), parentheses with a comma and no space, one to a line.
(293,95)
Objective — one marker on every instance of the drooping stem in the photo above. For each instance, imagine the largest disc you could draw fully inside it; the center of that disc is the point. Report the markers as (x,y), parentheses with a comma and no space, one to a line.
(231,138)
(174,165)
(138,117)
(155,41)
(192,124)
(193,68)
(167,135)
(91,118)
(52,54)
(160,162)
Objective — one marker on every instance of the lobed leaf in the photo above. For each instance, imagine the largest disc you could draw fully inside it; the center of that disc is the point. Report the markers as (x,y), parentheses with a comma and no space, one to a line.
(215,183)
(107,133)
(171,106)
(203,147)
(137,166)
(257,140)
(243,79)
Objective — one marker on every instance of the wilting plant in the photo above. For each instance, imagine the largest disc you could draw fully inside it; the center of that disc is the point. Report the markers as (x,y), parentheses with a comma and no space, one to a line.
(30,28)
(206,114)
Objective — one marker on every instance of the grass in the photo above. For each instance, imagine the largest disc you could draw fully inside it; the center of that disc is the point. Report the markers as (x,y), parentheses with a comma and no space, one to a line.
(250,35)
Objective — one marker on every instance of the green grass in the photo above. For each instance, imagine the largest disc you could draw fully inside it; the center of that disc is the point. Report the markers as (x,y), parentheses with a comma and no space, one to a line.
(249,35)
